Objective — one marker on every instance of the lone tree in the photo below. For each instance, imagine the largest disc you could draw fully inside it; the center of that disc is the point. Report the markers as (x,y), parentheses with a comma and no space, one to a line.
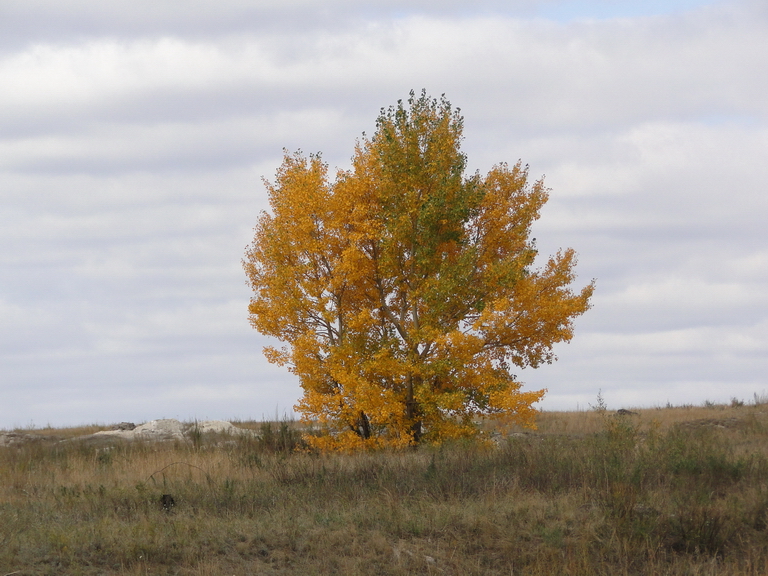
(404,290)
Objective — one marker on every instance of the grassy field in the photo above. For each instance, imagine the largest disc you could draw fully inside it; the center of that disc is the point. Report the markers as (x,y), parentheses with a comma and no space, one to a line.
(678,490)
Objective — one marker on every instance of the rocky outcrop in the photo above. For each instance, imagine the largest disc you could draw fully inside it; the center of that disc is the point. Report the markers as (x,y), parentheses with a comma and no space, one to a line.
(18,438)
(124,426)
(165,429)
(171,429)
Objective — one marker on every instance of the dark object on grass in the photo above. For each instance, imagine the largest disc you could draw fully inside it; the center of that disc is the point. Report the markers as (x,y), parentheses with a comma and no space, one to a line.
(623,412)
(167,501)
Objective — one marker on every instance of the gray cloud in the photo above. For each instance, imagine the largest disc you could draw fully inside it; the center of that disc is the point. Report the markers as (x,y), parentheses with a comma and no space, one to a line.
(45,21)
(535,75)
(132,142)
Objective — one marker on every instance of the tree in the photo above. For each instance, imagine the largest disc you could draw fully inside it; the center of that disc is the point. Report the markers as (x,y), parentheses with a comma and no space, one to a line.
(404,290)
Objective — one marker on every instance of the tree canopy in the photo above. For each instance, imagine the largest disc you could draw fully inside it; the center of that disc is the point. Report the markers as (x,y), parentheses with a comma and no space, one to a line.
(405,290)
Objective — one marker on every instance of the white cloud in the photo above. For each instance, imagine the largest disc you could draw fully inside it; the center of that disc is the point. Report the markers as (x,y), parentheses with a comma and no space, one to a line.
(529,73)
(131,152)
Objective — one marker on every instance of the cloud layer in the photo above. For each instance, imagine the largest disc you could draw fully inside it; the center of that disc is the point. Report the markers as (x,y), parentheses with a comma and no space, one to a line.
(133,139)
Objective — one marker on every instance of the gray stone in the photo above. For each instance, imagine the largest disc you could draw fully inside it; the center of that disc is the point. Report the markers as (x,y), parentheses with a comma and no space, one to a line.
(124,426)
(166,429)
(217,426)
(172,429)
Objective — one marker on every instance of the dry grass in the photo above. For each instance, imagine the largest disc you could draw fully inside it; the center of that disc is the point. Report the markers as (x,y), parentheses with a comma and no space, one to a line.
(661,419)
(679,491)
(63,433)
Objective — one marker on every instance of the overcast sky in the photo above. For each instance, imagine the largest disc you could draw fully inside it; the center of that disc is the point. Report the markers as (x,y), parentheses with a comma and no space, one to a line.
(134,135)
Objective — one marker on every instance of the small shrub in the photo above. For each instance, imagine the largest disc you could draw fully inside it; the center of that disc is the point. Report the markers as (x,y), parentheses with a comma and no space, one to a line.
(698,529)
(195,436)
(279,438)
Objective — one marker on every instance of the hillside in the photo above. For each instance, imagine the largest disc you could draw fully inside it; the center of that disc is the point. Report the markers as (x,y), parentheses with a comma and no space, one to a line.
(678,490)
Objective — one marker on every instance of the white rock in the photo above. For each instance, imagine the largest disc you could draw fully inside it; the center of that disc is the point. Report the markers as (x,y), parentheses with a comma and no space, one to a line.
(217,426)
(172,429)
(167,427)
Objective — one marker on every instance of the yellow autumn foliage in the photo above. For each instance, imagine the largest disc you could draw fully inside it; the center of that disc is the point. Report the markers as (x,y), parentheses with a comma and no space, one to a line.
(404,290)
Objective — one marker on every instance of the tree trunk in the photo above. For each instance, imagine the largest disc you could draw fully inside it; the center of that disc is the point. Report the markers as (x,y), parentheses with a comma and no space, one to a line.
(412,412)
(363,426)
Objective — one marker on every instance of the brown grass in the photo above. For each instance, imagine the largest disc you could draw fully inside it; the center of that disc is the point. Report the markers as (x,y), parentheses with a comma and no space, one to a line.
(63,433)
(667,491)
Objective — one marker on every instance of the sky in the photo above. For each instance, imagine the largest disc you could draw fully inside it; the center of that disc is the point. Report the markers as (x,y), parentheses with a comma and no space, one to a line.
(134,137)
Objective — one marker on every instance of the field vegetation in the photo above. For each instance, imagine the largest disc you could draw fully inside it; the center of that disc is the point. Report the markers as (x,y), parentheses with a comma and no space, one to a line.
(675,490)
